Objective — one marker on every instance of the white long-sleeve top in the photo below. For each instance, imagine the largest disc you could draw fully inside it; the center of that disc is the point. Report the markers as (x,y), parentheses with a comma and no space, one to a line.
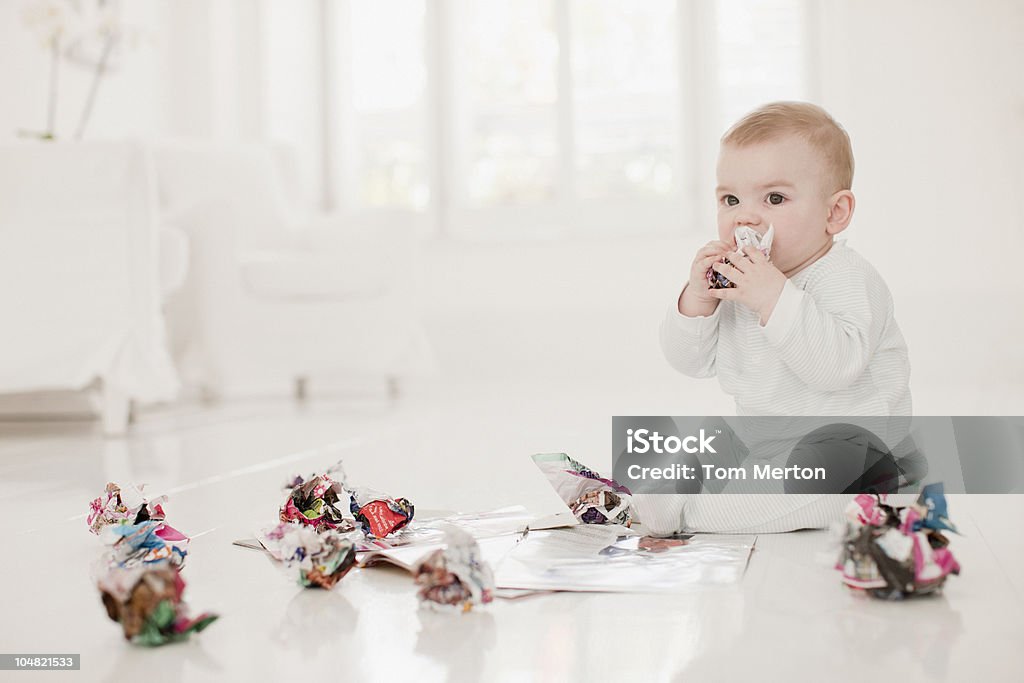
(830,347)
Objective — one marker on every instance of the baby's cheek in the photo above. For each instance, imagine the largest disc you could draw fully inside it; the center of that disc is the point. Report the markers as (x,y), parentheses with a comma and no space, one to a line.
(724,226)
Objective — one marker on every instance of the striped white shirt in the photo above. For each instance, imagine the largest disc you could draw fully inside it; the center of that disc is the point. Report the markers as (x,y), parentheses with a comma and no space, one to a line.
(830,347)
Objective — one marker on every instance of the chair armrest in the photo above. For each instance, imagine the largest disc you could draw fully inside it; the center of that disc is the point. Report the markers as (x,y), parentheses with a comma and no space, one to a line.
(334,231)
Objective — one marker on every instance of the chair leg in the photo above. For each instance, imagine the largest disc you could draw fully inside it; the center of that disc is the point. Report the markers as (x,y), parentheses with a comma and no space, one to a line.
(208,394)
(116,409)
(301,388)
(394,388)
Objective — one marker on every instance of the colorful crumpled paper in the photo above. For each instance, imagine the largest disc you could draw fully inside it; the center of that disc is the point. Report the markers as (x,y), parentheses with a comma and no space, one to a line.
(314,501)
(378,514)
(893,553)
(456,576)
(147,601)
(145,543)
(592,498)
(745,236)
(320,559)
(123,506)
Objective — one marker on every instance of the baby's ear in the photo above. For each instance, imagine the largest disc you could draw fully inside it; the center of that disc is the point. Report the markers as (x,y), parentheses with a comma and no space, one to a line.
(840,211)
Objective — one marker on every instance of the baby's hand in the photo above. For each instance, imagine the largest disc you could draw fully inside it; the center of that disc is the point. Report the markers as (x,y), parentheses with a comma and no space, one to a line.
(697,287)
(758,283)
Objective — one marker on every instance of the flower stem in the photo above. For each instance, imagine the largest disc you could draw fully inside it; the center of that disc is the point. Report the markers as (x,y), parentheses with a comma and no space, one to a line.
(51,112)
(101,68)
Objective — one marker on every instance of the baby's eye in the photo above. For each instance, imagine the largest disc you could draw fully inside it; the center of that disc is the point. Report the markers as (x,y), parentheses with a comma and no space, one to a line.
(775,198)
(730,200)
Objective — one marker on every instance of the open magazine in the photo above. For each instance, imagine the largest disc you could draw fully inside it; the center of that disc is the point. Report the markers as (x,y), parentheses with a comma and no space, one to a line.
(559,553)
(604,558)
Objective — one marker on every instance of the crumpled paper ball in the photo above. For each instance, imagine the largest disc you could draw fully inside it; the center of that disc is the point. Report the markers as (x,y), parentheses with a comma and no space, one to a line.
(314,502)
(147,602)
(894,553)
(592,498)
(125,505)
(379,514)
(320,560)
(745,237)
(145,543)
(456,576)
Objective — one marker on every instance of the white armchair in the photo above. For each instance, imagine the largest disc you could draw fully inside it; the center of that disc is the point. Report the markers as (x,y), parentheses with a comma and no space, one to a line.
(80,260)
(273,300)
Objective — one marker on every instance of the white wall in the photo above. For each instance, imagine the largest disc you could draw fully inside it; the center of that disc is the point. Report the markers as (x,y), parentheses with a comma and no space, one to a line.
(933,97)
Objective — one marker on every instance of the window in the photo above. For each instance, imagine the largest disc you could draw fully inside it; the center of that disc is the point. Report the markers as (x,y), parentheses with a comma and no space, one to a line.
(381,82)
(505,102)
(625,95)
(761,55)
(581,115)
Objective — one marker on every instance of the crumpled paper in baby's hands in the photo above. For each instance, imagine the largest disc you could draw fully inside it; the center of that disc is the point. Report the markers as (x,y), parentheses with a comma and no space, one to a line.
(592,498)
(318,559)
(893,553)
(456,576)
(745,236)
(146,600)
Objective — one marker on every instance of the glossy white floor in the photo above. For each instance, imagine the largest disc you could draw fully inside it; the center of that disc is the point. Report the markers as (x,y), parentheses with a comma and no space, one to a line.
(464,449)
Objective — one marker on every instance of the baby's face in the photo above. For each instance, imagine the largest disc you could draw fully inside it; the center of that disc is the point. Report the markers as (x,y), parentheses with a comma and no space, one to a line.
(779,182)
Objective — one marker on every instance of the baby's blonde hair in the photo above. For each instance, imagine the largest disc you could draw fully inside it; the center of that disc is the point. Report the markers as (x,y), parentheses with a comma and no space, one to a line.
(810,122)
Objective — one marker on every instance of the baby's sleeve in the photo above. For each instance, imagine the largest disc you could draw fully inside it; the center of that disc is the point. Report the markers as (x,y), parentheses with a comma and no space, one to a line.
(690,344)
(827,336)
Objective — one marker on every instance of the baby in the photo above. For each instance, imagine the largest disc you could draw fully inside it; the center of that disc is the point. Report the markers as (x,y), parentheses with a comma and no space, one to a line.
(804,329)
